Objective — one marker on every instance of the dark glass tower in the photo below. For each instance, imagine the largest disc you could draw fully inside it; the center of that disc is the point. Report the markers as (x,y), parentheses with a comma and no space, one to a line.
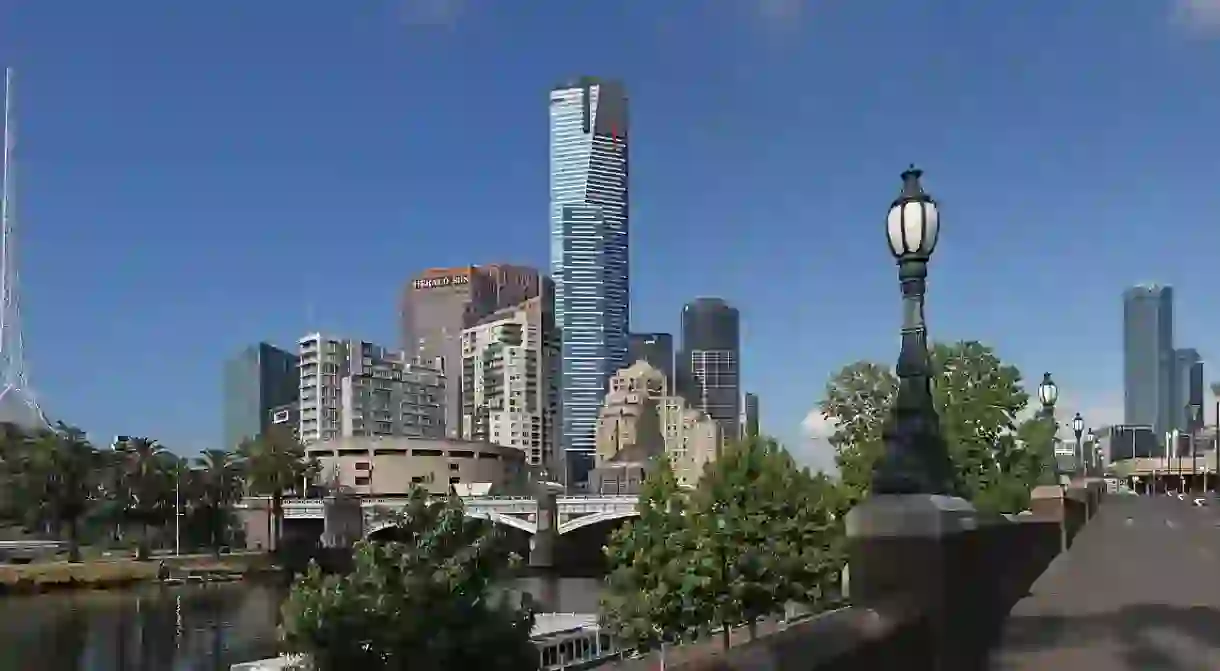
(1148,359)
(655,348)
(709,366)
(1188,387)
(256,381)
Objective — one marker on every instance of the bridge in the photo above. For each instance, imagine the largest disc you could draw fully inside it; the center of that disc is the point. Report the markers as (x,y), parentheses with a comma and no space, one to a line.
(517,512)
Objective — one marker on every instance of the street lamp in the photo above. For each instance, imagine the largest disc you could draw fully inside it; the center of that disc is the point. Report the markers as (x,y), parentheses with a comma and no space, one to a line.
(1078,430)
(916,459)
(1091,461)
(1048,394)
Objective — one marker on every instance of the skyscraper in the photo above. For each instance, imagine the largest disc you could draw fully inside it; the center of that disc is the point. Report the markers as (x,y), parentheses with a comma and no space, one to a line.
(655,348)
(709,366)
(1148,358)
(440,302)
(589,242)
(749,416)
(260,378)
(1188,387)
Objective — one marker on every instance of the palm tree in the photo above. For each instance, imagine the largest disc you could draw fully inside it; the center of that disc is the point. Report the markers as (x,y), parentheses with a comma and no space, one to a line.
(219,487)
(145,483)
(274,463)
(71,481)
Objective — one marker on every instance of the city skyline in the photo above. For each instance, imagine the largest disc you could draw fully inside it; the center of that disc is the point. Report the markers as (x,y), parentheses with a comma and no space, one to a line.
(186,193)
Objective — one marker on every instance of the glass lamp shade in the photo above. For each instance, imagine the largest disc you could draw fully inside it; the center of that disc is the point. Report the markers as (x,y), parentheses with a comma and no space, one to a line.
(1090,437)
(913,224)
(1048,392)
(1078,423)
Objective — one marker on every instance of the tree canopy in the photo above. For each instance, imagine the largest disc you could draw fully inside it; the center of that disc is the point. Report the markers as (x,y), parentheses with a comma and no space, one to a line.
(978,398)
(423,600)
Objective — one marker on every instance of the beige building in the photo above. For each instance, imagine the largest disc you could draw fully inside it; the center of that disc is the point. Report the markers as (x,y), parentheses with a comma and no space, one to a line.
(508,392)
(394,466)
(640,420)
(353,388)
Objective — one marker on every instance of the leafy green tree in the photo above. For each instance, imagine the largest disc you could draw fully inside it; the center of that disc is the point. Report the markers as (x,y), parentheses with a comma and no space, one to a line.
(654,588)
(274,463)
(52,478)
(423,600)
(978,398)
(764,551)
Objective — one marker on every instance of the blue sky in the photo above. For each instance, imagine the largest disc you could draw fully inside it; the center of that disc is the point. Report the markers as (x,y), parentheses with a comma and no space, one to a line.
(198,176)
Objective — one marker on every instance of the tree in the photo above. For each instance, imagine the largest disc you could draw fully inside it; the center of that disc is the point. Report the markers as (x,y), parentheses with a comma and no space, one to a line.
(858,400)
(67,471)
(145,484)
(764,551)
(423,600)
(653,587)
(218,478)
(978,398)
(274,463)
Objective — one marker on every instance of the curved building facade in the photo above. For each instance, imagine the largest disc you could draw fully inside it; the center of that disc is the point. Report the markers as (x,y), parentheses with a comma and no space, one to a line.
(395,466)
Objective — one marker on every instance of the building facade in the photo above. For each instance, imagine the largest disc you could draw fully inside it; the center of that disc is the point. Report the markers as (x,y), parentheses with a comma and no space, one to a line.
(1188,388)
(393,466)
(508,383)
(261,377)
(640,420)
(749,416)
(655,348)
(1148,358)
(710,361)
(589,253)
(440,302)
(354,388)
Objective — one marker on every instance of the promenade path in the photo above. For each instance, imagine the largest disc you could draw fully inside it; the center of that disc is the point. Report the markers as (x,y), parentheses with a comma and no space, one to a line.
(1139,590)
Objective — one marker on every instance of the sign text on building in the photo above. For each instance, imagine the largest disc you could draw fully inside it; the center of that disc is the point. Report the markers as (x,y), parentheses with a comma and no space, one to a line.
(442,281)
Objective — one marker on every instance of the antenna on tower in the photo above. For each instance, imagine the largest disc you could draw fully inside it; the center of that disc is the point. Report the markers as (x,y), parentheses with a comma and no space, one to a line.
(17,403)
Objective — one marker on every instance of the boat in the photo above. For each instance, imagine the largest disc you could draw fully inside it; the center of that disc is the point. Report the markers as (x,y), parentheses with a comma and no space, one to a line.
(565,642)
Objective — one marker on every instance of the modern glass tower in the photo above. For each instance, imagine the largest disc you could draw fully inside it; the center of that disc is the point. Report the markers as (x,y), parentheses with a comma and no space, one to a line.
(259,379)
(709,365)
(1148,359)
(1188,387)
(589,242)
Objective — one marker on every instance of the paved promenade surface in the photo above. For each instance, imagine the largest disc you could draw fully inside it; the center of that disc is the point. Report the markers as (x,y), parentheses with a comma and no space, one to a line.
(1139,590)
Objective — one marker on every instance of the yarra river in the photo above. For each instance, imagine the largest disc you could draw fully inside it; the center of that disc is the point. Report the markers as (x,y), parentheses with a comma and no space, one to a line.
(187,628)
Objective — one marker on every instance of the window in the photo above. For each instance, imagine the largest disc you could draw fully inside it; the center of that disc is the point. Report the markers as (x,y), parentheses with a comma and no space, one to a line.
(362,481)
(362,465)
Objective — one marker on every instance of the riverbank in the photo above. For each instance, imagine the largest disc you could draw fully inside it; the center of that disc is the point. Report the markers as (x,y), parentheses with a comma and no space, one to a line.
(40,577)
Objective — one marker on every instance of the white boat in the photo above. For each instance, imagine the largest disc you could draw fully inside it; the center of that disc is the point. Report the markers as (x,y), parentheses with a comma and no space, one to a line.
(565,641)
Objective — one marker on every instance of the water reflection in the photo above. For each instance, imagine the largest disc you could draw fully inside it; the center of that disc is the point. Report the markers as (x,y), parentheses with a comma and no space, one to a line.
(188,628)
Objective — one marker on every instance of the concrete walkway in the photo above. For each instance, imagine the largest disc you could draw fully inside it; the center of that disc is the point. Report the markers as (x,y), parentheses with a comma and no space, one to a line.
(1139,590)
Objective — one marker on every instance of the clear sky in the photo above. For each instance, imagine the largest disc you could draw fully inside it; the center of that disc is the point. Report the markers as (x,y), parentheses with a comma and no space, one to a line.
(197,176)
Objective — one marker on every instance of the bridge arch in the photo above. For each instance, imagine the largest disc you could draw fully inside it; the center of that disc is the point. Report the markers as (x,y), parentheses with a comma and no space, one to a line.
(596,518)
(492,516)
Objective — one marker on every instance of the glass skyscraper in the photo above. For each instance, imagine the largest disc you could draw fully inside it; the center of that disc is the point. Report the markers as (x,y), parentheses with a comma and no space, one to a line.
(1188,387)
(589,242)
(1149,361)
(260,379)
(709,365)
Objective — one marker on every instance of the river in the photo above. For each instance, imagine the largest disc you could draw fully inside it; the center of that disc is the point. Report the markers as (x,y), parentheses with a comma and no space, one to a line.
(188,628)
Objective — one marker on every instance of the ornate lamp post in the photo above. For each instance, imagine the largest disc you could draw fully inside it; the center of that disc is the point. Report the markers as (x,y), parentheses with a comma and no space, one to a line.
(1093,463)
(916,460)
(1078,431)
(1048,394)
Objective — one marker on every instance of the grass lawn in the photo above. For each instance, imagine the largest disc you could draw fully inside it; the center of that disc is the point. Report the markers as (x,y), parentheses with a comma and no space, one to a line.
(107,573)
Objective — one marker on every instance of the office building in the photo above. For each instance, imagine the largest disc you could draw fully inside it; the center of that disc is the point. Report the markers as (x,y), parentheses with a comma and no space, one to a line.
(508,391)
(641,420)
(749,416)
(1148,358)
(353,388)
(710,364)
(1188,388)
(589,253)
(440,302)
(259,378)
(655,348)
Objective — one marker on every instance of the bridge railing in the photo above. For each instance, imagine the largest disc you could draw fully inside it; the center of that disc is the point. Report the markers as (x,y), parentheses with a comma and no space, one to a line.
(919,601)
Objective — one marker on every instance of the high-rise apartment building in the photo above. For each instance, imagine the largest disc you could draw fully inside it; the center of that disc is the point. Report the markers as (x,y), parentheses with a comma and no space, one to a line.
(508,392)
(439,303)
(655,348)
(1188,388)
(261,377)
(709,365)
(749,416)
(640,420)
(352,388)
(589,257)
(1148,358)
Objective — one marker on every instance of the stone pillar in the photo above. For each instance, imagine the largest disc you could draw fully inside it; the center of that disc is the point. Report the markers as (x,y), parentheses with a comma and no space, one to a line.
(916,548)
(343,521)
(542,545)
(1047,502)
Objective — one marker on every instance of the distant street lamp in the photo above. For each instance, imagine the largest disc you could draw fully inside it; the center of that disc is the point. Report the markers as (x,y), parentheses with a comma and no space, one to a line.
(1078,430)
(1048,394)
(916,459)
(1092,463)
